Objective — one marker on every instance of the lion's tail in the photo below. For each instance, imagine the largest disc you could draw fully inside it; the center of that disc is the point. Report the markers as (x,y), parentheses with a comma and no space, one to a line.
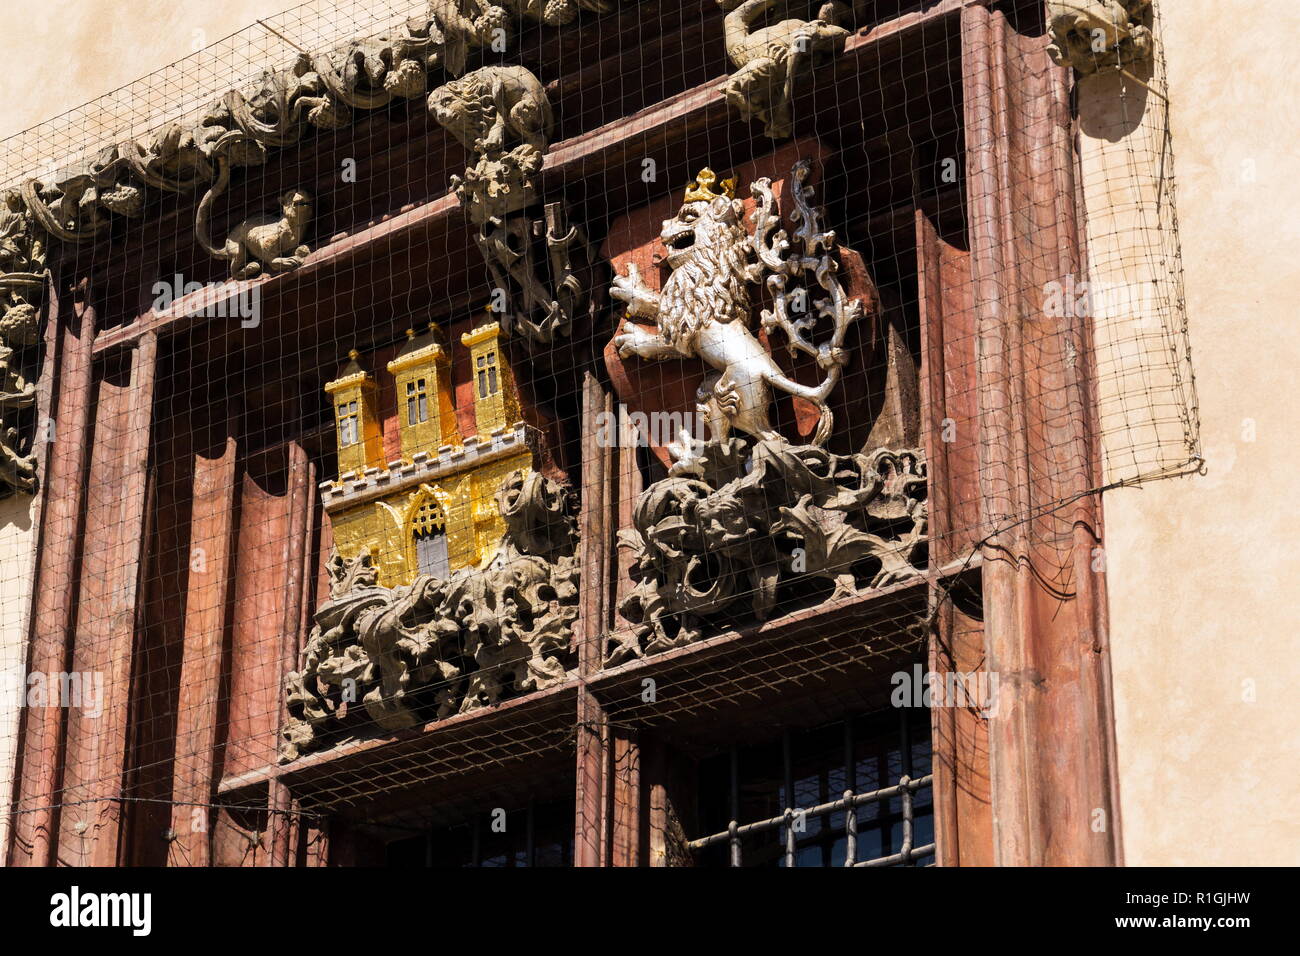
(824,425)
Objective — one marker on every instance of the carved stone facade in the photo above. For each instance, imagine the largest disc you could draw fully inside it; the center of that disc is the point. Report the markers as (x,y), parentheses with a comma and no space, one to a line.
(323,90)
(22,281)
(834,500)
(740,517)
(443,646)
(704,308)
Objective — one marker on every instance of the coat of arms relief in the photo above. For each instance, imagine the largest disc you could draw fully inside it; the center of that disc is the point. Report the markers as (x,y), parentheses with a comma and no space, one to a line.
(744,512)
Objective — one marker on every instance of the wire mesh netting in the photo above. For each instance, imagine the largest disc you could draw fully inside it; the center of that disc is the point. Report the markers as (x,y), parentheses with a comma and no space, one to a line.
(405,400)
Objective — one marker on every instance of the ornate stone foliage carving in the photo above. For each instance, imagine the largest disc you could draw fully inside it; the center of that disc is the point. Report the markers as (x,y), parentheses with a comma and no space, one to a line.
(22,261)
(260,243)
(317,90)
(501,114)
(771,60)
(1092,35)
(461,26)
(718,547)
(443,646)
(321,90)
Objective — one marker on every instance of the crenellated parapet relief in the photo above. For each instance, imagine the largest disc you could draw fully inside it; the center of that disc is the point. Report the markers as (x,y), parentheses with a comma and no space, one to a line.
(442,645)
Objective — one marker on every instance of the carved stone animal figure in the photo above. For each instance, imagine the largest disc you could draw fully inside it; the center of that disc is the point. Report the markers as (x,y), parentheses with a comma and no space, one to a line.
(262,242)
(703,311)
(269,242)
(769,59)
(490,109)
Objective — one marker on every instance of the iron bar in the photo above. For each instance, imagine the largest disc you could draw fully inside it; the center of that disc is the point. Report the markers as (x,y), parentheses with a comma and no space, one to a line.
(735,831)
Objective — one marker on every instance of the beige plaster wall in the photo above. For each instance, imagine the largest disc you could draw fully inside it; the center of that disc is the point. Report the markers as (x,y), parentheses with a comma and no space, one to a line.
(73,51)
(1202,570)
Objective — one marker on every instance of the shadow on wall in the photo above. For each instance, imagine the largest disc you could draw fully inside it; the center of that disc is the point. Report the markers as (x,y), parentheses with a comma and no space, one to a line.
(1128,101)
(15,518)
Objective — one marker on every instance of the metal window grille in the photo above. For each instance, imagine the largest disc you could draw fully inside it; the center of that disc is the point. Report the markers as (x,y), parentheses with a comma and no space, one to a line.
(839,818)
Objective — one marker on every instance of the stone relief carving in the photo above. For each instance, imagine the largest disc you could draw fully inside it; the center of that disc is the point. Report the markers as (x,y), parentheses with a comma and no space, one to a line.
(443,646)
(22,261)
(741,515)
(70,208)
(260,243)
(321,90)
(1091,35)
(462,26)
(718,547)
(704,308)
(501,114)
(316,90)
(770,60)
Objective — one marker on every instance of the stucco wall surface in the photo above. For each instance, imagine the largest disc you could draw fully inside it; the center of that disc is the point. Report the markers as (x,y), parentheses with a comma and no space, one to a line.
(1202,571)
(69,52)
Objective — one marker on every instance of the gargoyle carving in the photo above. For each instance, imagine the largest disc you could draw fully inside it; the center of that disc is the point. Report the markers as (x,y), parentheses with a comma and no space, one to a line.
(1092,35)
(501,114)
(262,242)
(704,308)
(770,60)
(443,646)
(718,547)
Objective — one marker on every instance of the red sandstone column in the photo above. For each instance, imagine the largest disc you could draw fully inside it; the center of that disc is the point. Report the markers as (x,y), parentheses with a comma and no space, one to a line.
(36,817)
(116,489)
(206,608)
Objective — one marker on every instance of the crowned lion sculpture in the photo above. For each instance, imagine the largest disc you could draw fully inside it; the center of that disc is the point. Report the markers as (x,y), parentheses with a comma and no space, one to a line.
(704,309)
